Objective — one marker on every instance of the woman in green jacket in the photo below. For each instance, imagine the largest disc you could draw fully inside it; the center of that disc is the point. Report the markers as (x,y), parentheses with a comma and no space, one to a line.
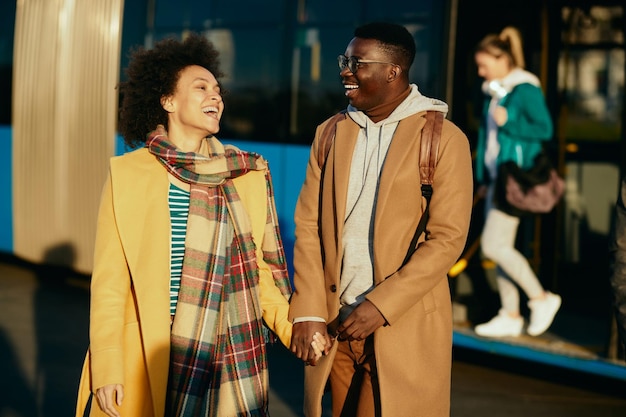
(514,125)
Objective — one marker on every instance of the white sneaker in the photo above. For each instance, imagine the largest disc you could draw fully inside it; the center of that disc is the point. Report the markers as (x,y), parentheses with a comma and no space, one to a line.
(542,313)
(500,326)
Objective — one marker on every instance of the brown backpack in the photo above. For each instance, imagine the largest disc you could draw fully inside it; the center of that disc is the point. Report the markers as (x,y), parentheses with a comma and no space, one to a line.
(429,148)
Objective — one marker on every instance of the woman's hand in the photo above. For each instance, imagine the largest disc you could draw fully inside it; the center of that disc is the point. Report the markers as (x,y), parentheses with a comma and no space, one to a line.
(481,192)
(108,396)
(500,115)
(321,345)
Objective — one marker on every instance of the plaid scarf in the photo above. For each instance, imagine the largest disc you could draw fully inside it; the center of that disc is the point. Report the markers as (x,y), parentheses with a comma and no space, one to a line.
(218,364)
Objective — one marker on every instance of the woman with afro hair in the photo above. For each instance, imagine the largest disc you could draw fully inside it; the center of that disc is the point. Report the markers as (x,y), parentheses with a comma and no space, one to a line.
(189,265)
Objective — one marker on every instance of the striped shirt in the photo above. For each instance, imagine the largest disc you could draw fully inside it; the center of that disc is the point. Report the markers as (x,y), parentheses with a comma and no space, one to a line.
(178,201)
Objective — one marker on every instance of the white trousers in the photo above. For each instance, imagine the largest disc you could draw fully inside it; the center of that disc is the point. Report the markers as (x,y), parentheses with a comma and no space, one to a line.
(498,244)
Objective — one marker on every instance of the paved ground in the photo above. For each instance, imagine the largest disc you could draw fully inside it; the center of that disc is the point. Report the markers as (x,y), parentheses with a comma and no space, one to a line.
(43,337)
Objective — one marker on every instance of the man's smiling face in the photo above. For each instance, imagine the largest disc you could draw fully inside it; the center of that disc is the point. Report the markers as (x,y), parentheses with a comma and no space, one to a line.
(368,86)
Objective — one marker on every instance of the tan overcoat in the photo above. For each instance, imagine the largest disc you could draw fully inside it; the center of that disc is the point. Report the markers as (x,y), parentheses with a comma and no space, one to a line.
(129,312)
(413,352)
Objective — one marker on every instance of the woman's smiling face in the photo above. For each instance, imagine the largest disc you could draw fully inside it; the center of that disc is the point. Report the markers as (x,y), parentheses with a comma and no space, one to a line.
(196,106)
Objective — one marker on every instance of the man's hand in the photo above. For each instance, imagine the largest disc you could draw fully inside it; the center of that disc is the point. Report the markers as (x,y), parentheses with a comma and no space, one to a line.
(108,396)
(361,322)
(302,338)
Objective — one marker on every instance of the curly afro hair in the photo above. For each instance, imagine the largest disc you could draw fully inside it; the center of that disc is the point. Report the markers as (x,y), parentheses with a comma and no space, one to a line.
(154,73)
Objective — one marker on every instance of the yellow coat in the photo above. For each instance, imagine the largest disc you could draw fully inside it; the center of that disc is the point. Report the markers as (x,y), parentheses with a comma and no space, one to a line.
(129,316)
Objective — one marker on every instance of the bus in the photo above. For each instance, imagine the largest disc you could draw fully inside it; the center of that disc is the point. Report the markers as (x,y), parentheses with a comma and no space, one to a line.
(60,63)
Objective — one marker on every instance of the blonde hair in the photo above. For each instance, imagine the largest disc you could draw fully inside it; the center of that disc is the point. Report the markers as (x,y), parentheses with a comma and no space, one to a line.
(508,42)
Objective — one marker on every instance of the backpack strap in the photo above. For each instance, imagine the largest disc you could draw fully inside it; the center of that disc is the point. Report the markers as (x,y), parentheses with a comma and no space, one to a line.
(429,149)
(327,137)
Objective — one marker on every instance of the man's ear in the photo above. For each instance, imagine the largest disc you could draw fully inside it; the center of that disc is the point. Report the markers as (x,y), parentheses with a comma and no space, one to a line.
(166,103)
(394,73)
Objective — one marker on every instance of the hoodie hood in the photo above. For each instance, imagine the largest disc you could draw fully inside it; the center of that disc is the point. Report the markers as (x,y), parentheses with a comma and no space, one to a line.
(414,103)
(368,157)
(500,88)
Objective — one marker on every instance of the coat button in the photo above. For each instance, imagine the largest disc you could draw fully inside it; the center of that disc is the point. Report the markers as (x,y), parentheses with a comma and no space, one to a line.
(333,288)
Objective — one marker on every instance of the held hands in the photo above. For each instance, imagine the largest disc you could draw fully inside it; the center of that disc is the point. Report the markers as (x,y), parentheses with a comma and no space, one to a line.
(318,344)
(105,396)
(310,341)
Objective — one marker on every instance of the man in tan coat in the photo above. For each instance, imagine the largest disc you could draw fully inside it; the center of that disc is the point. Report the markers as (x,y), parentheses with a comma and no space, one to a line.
(355,218)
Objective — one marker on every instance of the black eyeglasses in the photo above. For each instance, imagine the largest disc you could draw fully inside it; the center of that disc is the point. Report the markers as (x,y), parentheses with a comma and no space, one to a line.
(353,63)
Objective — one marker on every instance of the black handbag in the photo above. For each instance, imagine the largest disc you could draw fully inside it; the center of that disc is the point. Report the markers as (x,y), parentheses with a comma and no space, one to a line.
(535,190)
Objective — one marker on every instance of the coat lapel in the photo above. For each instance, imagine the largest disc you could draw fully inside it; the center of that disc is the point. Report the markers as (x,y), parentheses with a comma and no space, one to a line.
(345,140)
(405,142)
(147,224)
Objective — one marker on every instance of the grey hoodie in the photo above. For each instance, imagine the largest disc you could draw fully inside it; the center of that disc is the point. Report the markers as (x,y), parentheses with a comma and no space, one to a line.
(357,277)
